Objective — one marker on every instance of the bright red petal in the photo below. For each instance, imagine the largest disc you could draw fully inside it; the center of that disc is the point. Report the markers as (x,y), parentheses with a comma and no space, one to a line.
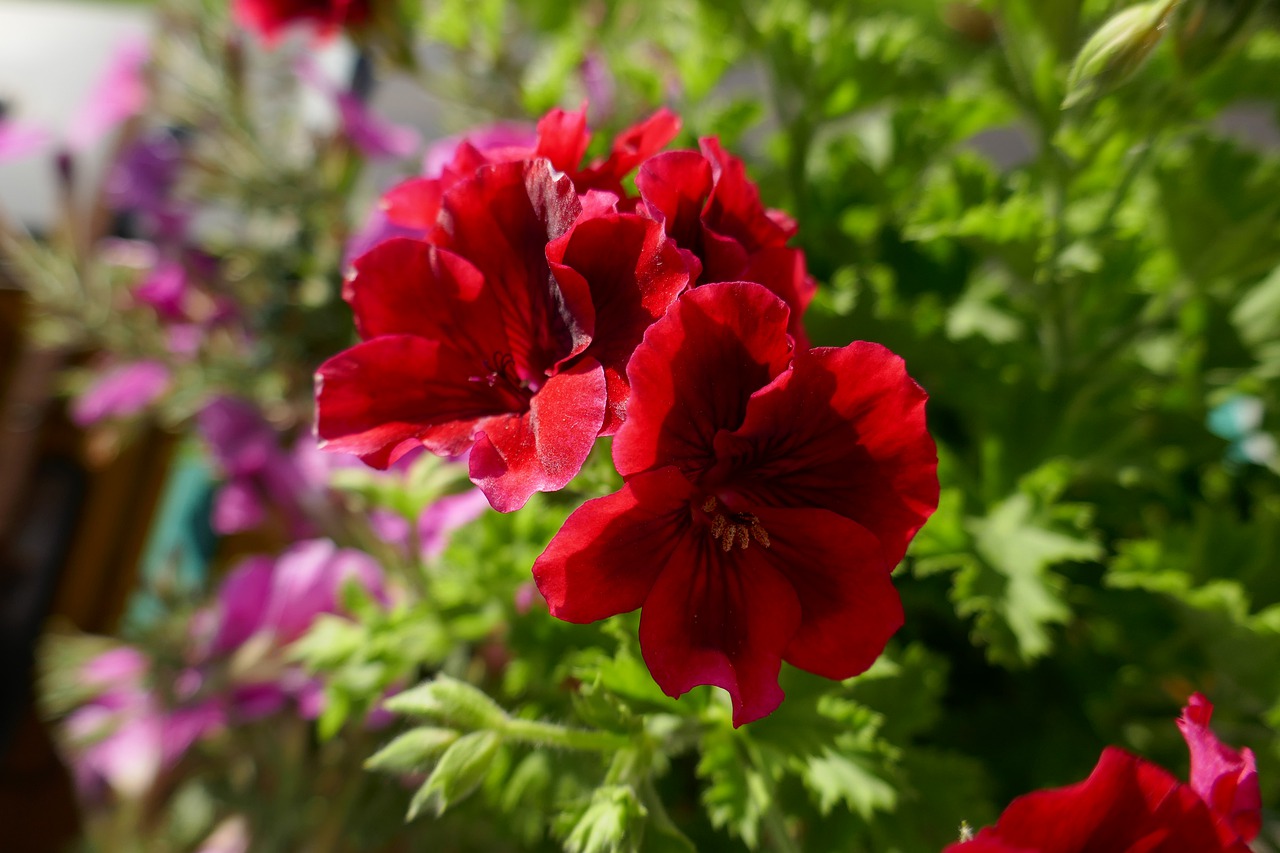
(1225,779)
(675,186)
(848,606)
(407,287)
(1126,804)
(501,220)
(386,396)
(694,372)
(414,203)
(719,618)
(844,430)
(783,271)
(734,208)
(563,138)
(541,450)
(606,556)
(633,273)
(632,147)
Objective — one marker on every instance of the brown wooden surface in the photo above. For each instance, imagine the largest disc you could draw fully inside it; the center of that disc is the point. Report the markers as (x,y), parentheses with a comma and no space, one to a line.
(113,516)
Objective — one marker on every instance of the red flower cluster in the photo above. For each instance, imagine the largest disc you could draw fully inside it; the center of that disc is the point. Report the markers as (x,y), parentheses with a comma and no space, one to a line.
(269,18)
(1128,805)
(770,490)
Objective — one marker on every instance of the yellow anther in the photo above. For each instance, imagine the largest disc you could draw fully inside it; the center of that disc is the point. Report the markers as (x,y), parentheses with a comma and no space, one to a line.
(744,539)
(761,535)
(709,504)
(717,526)
(726,544)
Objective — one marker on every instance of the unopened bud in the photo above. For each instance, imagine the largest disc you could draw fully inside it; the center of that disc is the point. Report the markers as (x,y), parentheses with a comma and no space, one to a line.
(1117,50)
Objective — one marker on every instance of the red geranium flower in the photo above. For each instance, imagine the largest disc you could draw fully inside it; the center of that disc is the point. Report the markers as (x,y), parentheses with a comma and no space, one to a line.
(269,18)
(768,496)
(562,138)
(712,210)
(1129,805)
(476,340)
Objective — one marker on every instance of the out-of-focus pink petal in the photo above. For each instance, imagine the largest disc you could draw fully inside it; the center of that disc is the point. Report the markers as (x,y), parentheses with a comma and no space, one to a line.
(121,92)
(446,515)
(121,392)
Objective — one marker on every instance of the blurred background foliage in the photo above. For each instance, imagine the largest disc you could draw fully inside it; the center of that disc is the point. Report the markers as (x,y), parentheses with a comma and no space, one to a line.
(1090,294)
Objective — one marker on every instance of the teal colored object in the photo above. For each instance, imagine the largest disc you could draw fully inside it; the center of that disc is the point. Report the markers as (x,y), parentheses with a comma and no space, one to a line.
(181,543)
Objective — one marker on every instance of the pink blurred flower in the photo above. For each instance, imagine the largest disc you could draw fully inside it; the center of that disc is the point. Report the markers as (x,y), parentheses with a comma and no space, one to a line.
(21,140)
(121,391)
(120,93)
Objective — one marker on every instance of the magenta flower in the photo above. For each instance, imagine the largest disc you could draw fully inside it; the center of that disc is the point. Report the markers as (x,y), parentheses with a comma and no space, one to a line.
(373,136)
(1224,778)
(21,140)
(121,392)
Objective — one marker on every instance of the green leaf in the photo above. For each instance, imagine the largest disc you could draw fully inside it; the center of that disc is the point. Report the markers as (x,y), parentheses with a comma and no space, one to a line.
(412,750)
(460,771)
(613,822)
(451,700)
(737,793)
(1010,588)
(835,777)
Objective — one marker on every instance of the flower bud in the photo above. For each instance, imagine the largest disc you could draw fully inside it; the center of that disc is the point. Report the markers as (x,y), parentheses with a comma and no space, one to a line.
(1117,50)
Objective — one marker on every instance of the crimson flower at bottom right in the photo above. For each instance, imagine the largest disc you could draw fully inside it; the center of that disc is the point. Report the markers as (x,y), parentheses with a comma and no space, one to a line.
(1129,805)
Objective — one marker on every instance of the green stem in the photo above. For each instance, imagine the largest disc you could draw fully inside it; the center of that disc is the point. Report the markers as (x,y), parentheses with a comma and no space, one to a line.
(549,734)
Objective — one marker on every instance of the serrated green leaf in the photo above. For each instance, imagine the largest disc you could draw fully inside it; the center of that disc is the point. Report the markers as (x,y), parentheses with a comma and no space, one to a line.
(840,777)
(451,700)
(613,822)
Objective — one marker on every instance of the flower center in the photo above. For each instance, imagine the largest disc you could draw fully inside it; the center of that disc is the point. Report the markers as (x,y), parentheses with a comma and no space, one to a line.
(501,370)
(731,527)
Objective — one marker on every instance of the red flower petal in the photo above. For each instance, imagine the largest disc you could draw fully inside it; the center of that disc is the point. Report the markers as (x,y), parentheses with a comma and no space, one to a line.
(849,607)
(414,203)
(719,618)
(783,271)
(694,371)
(632,273)
(675,186)
(501,220)
(563,138)
(610,550)
(632,147)
(383,397)
(860,449)
(734,208)
(1126,805)
(1225,779)
(541,450)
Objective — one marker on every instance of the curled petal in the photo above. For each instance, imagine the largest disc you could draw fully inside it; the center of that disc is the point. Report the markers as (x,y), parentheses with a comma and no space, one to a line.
(544,448)
(694,372)
(633,274)
(563,138)
(415,203)
(1224,778)
(606,556)
(380,399)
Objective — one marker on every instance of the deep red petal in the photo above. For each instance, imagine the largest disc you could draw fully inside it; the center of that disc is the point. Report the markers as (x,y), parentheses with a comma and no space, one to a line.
(1126,804)
(606,556)
(501,220)
(407,287)
(848,606)
(415,203)
(694,372)
(783,271)
(734,207)
(633,273)
(630,148)
(541,450)
(563,138)
(1224,778)
(844,430)
(384,397)
(675,186)
(719,618)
